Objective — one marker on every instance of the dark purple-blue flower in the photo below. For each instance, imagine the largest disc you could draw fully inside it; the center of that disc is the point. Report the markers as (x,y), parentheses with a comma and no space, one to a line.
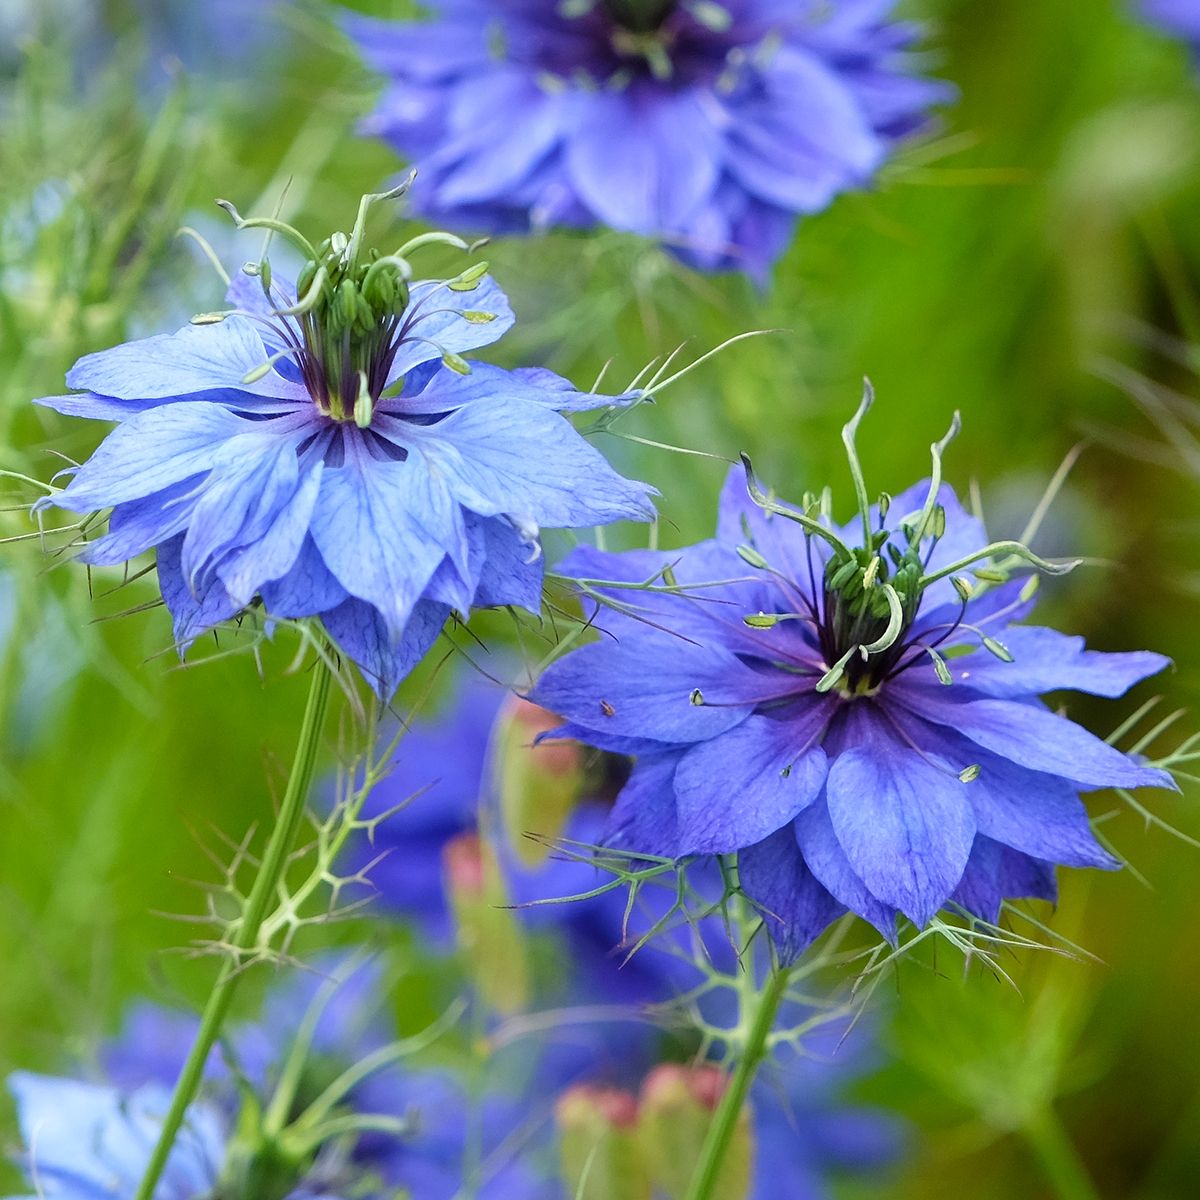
(854,712)
(710,125)
(328,452)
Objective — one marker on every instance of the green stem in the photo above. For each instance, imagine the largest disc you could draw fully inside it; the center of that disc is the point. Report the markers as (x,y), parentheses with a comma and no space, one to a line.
(246,932)
(1060,1161)
(725,1119)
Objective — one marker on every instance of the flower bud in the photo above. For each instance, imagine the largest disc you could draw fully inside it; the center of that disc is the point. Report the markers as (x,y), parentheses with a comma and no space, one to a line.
(538,785)
(489,935)
(677,1106)
(601,1155)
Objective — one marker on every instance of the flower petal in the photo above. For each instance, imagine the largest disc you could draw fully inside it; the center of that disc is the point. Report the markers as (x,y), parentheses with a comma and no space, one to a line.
(433,322)
(1045,660)
(150,452)
(193,612)
(643,820)
(903,820)
(643,686)
(1031,735)
(383,527)
(735,789)
(996,873)
(827,860)
(795,906)
(198,358)
(503,456)
(367,639)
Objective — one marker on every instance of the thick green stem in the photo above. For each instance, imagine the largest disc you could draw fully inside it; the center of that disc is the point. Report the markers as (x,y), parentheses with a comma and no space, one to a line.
(1060,1161)
(246,932)
(725,1119)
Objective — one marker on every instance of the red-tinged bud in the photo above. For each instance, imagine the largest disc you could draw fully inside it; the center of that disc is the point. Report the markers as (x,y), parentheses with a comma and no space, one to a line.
(538,782)
(601,1153)
(677,1106)
(490,937)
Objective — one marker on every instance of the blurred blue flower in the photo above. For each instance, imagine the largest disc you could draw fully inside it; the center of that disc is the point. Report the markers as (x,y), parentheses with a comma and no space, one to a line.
(798,715)
(88,1142)
(1180,18)
(708,124)
(345,999)
(339,460)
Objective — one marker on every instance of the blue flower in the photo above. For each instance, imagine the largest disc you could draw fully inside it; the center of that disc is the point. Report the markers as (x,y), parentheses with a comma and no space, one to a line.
(335,456)
(1181,18)
(88,1142)
(799,714)
(345,1001)
(709,125)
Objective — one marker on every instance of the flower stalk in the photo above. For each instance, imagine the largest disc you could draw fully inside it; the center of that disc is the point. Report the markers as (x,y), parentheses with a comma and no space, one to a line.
(245,935)
(759,1009)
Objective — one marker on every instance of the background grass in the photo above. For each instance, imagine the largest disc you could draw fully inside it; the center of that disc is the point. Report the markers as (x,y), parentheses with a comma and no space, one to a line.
(1044,233)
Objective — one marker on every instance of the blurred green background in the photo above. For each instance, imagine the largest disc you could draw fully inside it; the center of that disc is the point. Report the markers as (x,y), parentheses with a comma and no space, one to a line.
(1025,264)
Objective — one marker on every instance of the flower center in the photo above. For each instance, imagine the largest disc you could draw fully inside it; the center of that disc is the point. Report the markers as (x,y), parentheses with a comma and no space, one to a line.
(350,332)
(638,16)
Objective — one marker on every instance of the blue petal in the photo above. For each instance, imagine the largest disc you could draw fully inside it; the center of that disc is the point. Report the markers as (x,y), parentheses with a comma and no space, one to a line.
(1045,660)
(1030,735)
(503,456)
(658,171)
(383,527)
(433,322)
(903,819)
(199,358)
(308,587)
(446,390)
(643,820)
(254,478)
(141,525)
(795,906)
(150,452)
(735,789)
(828,862)
(273,552)
(642,686)
(996,873)
(512,572)
(193,613)
(367,639)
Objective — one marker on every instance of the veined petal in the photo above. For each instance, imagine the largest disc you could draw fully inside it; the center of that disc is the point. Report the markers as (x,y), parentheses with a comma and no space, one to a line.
(198,358)
(646,687)
(501,456)
(307,588)
(996,873)
(903,820)
(447,390)
(795,907)
(252,480)
(512,571)
(273,553)
(192,612)
(434,322)
(141,525)
(827,860)
(643,820)
(1036,813)
(369,641)
(735,789)
(383,527)
(1045,660)
(150,452)
(1029,734)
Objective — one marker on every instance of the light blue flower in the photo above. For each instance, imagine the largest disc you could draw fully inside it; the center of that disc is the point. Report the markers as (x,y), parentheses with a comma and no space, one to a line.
(336,456)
